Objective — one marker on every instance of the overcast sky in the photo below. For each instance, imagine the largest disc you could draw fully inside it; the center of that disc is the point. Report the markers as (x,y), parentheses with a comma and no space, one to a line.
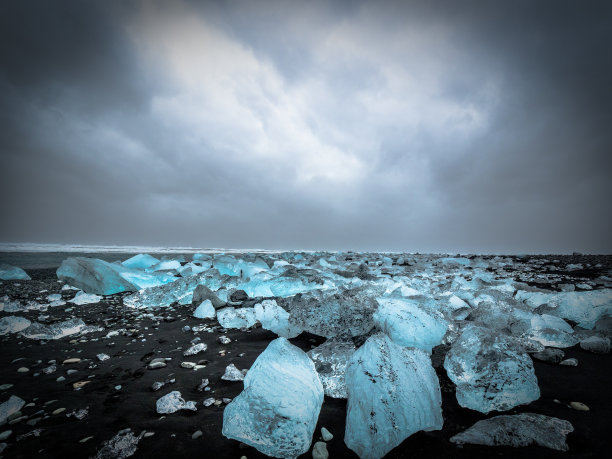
(452,126)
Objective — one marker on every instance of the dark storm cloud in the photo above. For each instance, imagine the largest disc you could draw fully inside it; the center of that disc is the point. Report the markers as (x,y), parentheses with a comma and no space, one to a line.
(430,126)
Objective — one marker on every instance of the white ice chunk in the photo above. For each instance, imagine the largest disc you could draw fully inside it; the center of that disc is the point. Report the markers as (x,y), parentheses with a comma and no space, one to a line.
(275,319)
(236,317)
(206,310)
(173,402)
(13,324)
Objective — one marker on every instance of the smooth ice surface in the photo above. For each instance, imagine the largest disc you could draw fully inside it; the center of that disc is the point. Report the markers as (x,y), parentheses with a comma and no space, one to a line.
(491,371)
(93,276)
(206,310)
(85,298)
(8,272)
(12,405)
(276,319)
(551,331)
(393,392)
(13,324)
(410,325)
(141,261)
(173,402)
(330,359)
(277,411)
(236,317)
(57,330)
(518,430)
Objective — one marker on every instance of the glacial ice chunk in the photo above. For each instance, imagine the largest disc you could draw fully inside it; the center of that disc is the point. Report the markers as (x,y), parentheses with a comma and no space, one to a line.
(491,371)
(275,319)
(181,291)
(13,324)
(236,317)
(57,330)
(205,311)
(141,261)
(93,276)
(410,325)
(277,411)
(518,430)
(85,298)
(173,402)
(330,359)
(551,331)
(393,392)
(8,272)
(122,445)
(232,373)
(11,406)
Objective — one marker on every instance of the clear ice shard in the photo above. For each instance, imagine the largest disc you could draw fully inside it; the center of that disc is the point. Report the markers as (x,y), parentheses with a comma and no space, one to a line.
(551,331)
(141,261)
(206,310)
(236,317)
(277,411)
(518,430)
(173,402)
(276,319)
(57,330)
(8,272)
(491,370)
(93,276)
(13,324)
(11,406)
(195,349)
(330,359)
(122,445)
(181,291)
(408,324)
(232,373)
(393,392)
(343,314)
(85,298)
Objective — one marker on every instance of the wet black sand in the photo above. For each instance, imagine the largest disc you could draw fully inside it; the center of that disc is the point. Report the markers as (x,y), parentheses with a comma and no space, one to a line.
(133,405)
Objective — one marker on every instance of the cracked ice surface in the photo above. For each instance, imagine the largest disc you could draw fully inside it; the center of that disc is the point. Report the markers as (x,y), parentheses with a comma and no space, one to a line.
(277,411)
(330,359)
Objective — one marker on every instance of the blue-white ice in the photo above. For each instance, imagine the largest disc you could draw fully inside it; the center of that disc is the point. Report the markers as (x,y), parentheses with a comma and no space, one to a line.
(409,324)
(491,371)
(141,261)
(173,402)
(57,330)
(8,272)
(393,392)
(180,291)
(551,331)
(165,265)
(236,317)
(13,324)
(331,359)
(85,298)
(277,411)
(274,318)
(205,310)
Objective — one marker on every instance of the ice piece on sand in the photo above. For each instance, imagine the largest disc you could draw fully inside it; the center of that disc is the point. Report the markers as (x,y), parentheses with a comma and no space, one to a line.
(13,324)
(94,276)
(393,392)
(140,261)
(122,445)
(57,330)
(344,314)
(236,317)
(195,349)
(410,325)
(551,331)
(232,373)
(518,430)
(330,359)
(205,311)
(173,402)
(275,319)
(181,291)
(85,298)
(12,405)
(491,371)
(277,411)
(8,272)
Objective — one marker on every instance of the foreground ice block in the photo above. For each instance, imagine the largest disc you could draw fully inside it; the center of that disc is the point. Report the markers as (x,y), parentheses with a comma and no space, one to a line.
(205,310)
(330,359)
(275,319)
(491,371)
(236,317)
(8,272)
(551,331)
(410,325)
(141,261)
(13,324)
(57,330)
(93,276)
(393,392)
(518,430)
(277,411)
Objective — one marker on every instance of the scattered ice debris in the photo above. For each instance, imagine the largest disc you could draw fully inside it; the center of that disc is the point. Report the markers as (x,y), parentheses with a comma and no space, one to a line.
(518,430)
(8,272)
(102,357)
(195,349)
(330,359)
(13,324)
(10,407)
(596,344)
(393,392)
(173,402)
(232,373)
(205,310)
(85,298)
(141,261)
(277,411)
(209,401)
(236,317)
(276,319)
(410,325)
(491,371)
(122,445)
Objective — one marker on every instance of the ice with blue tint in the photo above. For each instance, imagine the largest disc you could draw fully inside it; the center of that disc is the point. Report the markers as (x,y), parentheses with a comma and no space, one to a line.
(206,310)
(277,411)
(238,267)
(57,330)
(393,392)
(330,359)
(274,318)
(491,370)
(85,298)
(408,324)
(179,291)
(94,276)
(165,265)
(551,331)
(13,324)
(142,279)
(141,261)
(236,317)
(8,272)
